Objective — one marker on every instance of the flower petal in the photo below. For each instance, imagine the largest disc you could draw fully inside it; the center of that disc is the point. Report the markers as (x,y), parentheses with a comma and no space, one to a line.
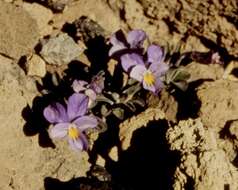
(136,38)
(159,69)
(158,85)
(97,83)
(55,113)
(79,144)
(137,72)
(117,43)
(79,85)
(77,105)
(86,122)
(76,144)
(163,68)
(154,54)
(130,60)
(149,87)
(84,141)
(59,130)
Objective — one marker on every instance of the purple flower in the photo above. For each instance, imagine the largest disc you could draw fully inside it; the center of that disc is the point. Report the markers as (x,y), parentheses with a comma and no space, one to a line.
(133,41)
(91,90)
(83,86)
(147,72)
(71,122)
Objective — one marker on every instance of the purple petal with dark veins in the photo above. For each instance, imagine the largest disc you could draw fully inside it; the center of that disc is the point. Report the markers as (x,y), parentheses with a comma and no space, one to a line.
(77,105)
(60,130)
(154,54)
(55,113)
(84,141)
(130,60)
(117,45)
(97,87)
(76,144)
(137,72)
(97,83)
(86,122)
(159,69)
(79,144)
(158,85)
(136,38)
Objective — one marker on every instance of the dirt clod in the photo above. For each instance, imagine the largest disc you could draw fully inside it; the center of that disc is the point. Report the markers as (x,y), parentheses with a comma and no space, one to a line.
(218,103)
(35,66)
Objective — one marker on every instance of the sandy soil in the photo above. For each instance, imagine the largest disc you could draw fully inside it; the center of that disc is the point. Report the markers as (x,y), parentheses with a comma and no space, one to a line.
(188,140)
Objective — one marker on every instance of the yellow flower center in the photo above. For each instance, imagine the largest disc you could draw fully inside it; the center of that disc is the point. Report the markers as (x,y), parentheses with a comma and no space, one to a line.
(149,78)
(73,132)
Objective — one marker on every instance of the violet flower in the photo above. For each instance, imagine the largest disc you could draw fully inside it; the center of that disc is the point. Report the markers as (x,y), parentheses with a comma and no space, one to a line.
(133,41)
(83,86)
(71,122)
(91,90)
(147,72)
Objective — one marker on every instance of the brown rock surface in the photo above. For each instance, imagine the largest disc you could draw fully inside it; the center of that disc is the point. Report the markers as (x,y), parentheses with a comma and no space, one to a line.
(171,21)
(42,16)
(204,165)
(23,163)
(35,66)
(203,71)
(102,14)
(207,146)
(19,32)
(219,102)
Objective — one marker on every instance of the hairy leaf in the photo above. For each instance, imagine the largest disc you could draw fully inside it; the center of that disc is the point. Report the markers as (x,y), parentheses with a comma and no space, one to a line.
(119,113)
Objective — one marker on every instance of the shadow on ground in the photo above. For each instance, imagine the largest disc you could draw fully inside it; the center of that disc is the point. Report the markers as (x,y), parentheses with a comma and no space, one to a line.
(35,121)
(147,164)
(188,102)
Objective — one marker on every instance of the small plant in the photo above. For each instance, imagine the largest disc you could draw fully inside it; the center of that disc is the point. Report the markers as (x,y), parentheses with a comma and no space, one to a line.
(99,103)
(143,69)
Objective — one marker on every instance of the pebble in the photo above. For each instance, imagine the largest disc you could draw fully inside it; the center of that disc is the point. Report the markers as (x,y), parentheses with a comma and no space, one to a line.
(36,66)
(60,50)
(113,154)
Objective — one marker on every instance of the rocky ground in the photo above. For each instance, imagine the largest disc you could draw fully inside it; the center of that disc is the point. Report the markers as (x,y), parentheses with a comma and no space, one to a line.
(182,141)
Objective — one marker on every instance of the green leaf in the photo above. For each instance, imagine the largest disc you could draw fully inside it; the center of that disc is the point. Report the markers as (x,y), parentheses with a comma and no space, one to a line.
(182,85)
(176,75)
(131,106)
(104,111)
(178,62)
(102,98)
(102,126)
(131,81)
(181,75)
(132,89)
(115,96)
(55,79)
(119,113)
(138,101)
